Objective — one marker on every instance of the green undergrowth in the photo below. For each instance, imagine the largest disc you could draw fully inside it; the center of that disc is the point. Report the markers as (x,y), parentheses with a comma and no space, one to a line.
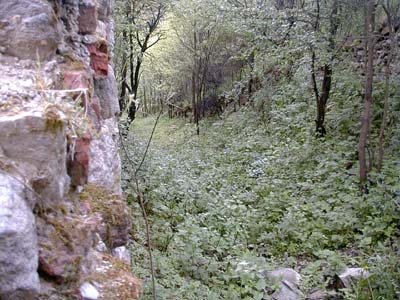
(255,192)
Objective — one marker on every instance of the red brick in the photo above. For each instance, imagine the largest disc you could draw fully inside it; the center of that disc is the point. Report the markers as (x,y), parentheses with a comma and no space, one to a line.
(99,58)
(79,166)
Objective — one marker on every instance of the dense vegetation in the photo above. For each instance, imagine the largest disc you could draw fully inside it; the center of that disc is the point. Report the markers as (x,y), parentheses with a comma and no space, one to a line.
(278,146)
(253,192)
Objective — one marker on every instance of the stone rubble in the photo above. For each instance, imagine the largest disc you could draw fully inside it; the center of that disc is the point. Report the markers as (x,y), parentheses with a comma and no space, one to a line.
(89,292)
(122,253)
(350,276)
(288,280)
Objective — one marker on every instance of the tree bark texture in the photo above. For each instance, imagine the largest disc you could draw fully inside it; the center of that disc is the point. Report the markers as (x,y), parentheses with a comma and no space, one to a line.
(387,89)
(124,72)
(366,114)
(132,104)
(323,97)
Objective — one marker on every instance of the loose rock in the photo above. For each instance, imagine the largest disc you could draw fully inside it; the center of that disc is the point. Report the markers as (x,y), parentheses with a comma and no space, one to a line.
(351,275)
(122,253)
(289,279)
(89,292)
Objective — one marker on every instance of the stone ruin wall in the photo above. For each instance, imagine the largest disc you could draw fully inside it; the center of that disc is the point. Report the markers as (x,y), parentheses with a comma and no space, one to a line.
(63,221)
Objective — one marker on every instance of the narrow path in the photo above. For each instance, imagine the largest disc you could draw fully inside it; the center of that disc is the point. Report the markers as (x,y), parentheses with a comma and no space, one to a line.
(202,199)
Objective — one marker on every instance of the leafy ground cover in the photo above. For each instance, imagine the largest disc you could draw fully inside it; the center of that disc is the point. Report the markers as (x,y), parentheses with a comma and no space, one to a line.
(257,191)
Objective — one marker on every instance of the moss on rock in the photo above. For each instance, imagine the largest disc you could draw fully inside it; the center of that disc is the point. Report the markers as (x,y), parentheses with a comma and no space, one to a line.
(114,211)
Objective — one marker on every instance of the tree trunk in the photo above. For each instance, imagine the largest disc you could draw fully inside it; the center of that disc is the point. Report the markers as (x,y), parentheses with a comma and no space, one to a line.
(132,105)
(322,99)
(124,72)
(250,84)
(387,91)
(144,107)
(194,82)
(366,115)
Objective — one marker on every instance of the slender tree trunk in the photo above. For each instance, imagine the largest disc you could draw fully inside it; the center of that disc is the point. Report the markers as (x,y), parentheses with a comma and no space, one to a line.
(131,60)
(387,91)
(124,72)
(132,105)
(194,106)
(144,108)
(366,115)
(322,99)
(194,82)
(135,87)
(250,84)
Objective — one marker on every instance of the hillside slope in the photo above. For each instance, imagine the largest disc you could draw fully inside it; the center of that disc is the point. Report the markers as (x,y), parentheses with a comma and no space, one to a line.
(249,196)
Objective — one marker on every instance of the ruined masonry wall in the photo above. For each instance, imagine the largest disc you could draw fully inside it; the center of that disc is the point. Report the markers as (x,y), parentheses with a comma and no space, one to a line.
(61,209)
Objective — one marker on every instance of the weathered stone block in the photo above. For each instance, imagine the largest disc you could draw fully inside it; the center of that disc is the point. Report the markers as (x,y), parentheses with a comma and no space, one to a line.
(77,79)
(81,81)
(105,164)
(101,30)
(36,141)
(29,28)
(64,242)
(104,9)
(111,36)
(87,20)
(106,89)
(18,243)
(96,107)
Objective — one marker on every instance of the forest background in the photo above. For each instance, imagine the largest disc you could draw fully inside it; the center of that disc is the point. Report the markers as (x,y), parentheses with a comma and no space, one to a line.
(278,146)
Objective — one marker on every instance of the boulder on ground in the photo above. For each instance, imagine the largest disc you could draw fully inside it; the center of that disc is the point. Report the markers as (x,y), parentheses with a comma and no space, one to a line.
(287,274)
(350,276)
(317,294)
(89,292)
(288,280)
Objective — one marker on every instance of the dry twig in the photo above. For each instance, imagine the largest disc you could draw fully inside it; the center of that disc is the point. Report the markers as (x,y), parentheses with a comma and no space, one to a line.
(141,198)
